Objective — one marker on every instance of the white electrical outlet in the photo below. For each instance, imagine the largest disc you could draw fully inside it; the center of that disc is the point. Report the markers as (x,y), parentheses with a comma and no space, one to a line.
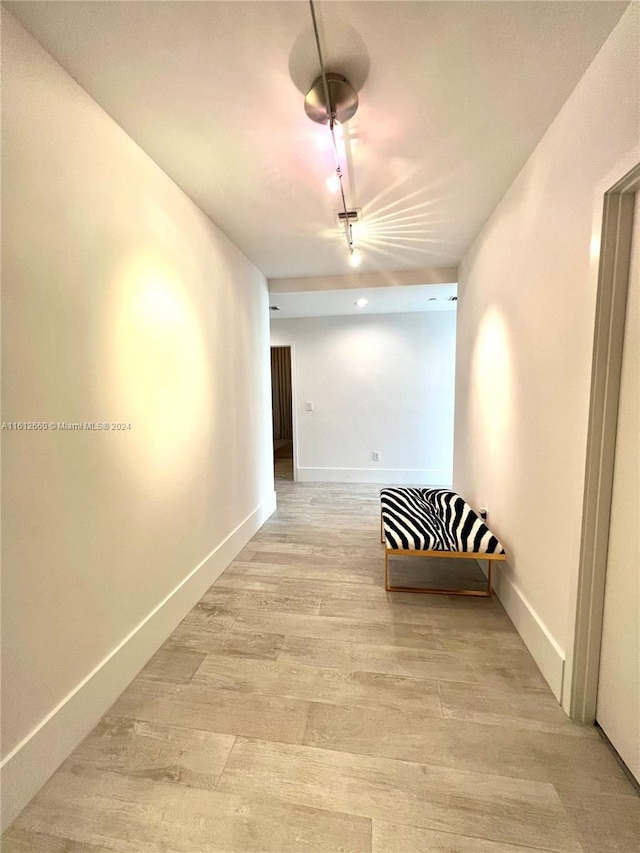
(376,455)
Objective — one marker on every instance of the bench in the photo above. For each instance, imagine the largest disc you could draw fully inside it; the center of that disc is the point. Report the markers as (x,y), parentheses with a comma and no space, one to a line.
(422,522)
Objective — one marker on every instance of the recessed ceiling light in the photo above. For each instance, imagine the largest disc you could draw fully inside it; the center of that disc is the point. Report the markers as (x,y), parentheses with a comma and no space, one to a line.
(361,302)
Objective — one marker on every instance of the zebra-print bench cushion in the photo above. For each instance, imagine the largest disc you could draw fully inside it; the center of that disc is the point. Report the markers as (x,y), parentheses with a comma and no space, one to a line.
(418,519)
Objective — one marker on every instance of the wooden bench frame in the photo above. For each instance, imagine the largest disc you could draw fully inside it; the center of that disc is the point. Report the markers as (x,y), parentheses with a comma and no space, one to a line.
(464,555)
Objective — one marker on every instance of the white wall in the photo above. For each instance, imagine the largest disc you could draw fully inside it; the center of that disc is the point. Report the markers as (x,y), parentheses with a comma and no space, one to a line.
(526,311)
(379,382)
(122,302)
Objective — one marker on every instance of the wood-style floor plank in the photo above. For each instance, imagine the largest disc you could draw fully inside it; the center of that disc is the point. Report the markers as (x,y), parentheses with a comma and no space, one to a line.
(168,753)
(321,684)
(308,570)
(269,602)
(133,815)
(395,838)
(18,840)
(178,666)
(476,804)
(476,666)
(540,756)
(198,706)
(507,707)
(479,619)
(416,635)
(605,822)
(235,643)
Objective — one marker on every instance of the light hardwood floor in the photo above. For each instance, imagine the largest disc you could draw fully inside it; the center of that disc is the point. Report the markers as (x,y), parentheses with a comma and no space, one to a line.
(301,708)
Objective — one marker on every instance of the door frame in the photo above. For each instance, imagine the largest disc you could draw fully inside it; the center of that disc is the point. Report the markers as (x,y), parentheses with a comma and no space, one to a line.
(294,406)
(611,303)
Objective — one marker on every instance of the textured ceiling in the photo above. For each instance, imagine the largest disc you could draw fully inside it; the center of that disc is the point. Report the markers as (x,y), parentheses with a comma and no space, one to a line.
(454,96)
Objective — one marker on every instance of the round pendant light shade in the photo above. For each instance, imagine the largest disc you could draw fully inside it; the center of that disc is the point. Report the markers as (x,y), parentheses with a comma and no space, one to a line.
(342,95)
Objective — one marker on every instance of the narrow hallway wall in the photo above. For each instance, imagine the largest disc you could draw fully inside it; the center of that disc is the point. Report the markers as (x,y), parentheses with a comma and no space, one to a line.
(526,312)
(122,304)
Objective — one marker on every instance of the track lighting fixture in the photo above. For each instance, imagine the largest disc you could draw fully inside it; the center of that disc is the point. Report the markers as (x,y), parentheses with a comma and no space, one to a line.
(332,101)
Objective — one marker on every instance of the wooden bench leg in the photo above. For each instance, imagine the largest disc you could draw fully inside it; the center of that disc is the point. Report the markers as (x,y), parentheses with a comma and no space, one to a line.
(478,593)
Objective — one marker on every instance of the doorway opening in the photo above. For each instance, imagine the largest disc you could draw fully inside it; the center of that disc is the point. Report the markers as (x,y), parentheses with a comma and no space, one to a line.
(282,409)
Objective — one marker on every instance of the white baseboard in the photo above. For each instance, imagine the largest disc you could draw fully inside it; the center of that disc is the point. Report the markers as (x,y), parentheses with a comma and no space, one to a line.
(27,767)
(395,476)
(543,648)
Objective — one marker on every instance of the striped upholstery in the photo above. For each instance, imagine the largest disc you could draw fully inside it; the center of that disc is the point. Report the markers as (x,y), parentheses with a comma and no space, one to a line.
(418,519)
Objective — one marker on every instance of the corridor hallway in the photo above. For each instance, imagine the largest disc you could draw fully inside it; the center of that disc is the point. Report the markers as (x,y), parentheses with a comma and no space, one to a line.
(299,707)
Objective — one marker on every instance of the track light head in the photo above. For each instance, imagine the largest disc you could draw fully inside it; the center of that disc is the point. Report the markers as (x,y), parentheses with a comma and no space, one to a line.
(355,258)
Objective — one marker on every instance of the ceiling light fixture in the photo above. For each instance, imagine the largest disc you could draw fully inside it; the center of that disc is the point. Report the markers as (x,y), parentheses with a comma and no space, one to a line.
(333,183)
(361,302)
(332,100)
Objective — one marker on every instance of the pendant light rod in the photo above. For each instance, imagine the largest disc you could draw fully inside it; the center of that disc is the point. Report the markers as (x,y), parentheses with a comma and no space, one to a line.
(332,118)
(323,73)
